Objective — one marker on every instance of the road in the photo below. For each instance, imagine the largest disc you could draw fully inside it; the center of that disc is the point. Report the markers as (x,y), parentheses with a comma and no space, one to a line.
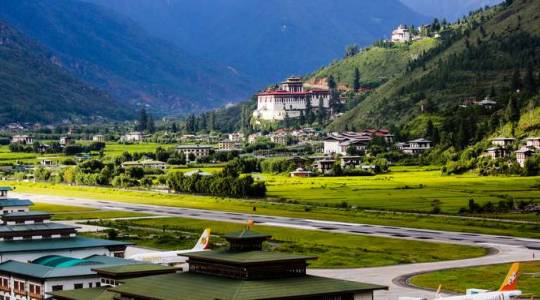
(508,248)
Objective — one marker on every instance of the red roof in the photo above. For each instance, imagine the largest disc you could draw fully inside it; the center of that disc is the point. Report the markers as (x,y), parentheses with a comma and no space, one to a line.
(282,92)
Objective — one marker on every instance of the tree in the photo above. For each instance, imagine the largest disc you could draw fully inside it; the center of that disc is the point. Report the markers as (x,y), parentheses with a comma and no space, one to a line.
(309,112)
(516,83)
(143,120)
(351,50)
(150,124)
(529,82)
(356,80)
(429,129)
(174,128)
(321,112)
(286,120)
(512,110)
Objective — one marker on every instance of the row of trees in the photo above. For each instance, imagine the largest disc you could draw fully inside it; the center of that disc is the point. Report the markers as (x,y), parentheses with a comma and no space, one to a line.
(223,184)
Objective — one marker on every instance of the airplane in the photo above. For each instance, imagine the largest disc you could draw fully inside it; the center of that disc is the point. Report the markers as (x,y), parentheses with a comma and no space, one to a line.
(507,291)
(174,257)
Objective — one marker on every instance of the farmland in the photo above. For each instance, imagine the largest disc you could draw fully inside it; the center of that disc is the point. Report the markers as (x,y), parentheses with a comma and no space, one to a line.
(485,277)
(333,249)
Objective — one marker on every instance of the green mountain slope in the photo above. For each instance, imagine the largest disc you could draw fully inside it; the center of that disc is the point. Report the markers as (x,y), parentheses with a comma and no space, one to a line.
(114,53)
(480,56)
(34,88)
(375,64)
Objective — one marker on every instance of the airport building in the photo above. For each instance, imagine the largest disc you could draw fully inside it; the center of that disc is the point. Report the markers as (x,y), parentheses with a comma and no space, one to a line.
(28,235)
(241,272)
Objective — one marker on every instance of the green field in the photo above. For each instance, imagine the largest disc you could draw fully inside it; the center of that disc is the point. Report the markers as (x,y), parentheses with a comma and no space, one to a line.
(333,249)
(404,189)
(66,212)
(486,277)
(330,210)
(114,149)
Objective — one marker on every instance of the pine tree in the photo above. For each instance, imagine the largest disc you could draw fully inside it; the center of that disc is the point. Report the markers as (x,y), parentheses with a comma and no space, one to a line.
(321,113)
(143,120)
(529,82)
(309,112)
(429,129)
(356,80)
(174,128)
(302,118)
(150,124)
(512,110)
(211,123)
(516,83)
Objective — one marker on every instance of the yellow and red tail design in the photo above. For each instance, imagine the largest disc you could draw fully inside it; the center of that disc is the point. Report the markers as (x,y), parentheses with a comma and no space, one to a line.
(203,242)
(510,282)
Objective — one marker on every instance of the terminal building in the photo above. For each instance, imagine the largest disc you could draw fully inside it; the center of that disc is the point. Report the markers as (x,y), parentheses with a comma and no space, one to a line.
(28,235)
(241,272)
(290,100)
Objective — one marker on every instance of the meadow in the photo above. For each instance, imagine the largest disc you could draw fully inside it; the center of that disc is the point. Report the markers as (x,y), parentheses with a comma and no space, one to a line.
(333,249)
(409,189)
(485,277)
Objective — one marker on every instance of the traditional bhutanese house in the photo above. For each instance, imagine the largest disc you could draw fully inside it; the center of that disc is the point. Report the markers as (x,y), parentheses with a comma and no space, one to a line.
(147,163)
(522,155)
(417,146)
(340,143)
(533,142)
(298,161)
(241,272)
(197,150)
(98,138)
(228,145)
(301,173)
(324,165)
(33,280)
(496,152)
(351,161)
(502,141)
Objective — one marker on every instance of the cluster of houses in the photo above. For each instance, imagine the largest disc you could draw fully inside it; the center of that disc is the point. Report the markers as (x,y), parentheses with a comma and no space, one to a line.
(502,147)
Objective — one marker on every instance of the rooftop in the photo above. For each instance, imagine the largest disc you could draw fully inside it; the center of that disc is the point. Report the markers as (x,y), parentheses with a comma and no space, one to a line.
(42,271)
(203,287)
(5,188)
(56,244)
(33,213)
(134,269)
(245,257)
(15,202)
(100,293)
(35,227)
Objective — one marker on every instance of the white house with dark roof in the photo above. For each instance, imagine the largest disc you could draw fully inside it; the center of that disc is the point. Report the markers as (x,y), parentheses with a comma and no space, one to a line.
(533,142)
(417,146)
(502,141)
(338,143)
(523,154)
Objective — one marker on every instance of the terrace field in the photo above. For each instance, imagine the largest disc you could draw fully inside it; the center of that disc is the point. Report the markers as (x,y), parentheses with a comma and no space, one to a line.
(333,249)
(485,277)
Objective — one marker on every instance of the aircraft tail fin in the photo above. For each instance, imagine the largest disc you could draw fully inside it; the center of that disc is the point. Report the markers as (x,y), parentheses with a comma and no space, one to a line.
(203,242)
(510,282)
(439,291)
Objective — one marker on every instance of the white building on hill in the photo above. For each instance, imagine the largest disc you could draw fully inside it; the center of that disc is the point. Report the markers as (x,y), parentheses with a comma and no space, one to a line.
(290,100)
(401,34)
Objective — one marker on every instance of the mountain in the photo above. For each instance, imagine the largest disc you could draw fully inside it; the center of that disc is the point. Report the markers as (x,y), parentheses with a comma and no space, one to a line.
(450,10)
(34,88)
(488,55)
(267,39)
(113,53)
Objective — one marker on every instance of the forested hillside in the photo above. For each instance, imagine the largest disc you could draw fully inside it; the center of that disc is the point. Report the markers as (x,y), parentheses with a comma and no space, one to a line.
(493,53)
(34,88)
(114,53)
(448,9)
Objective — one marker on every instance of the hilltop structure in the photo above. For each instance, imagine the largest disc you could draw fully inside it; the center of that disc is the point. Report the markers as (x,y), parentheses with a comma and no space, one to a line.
(289,101)
(243,272)
(401,34)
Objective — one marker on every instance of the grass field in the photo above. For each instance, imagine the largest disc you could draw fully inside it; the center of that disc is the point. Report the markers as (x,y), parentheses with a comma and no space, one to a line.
(66,212)
(333,249)
(486,277)
(114,149)
(286,209)
(404,189)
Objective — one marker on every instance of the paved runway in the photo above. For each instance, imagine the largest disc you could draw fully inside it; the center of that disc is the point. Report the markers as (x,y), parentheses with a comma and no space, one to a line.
(509,248)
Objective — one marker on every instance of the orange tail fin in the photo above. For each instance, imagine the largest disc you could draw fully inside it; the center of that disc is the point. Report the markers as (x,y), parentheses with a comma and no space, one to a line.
(510,282)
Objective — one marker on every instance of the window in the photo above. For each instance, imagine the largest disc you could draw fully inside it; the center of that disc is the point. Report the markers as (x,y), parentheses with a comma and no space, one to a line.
(4,283)
(34,289)
(57,288)
(78,286)
(19,286)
